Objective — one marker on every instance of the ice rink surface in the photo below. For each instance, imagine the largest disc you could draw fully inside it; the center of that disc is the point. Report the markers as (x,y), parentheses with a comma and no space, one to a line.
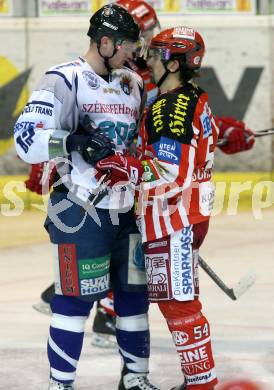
(242,330)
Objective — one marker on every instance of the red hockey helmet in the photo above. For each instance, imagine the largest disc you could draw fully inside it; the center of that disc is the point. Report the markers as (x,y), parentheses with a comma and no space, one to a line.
(142,12)
(183,42)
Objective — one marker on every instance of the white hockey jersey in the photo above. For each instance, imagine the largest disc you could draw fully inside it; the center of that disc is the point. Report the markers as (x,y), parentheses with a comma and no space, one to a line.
(64,96)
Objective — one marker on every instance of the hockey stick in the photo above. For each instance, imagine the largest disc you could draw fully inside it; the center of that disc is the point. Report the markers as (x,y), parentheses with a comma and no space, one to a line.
(101,191)
(234,293)
(260,133)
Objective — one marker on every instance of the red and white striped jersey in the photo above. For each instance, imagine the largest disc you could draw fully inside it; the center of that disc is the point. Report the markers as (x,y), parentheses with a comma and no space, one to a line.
(178,138)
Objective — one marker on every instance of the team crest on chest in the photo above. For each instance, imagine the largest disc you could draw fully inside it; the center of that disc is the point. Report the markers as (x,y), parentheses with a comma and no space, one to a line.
(91,79)
(126,84)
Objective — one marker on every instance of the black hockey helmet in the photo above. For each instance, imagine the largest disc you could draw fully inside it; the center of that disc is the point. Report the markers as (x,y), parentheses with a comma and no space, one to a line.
(113,21)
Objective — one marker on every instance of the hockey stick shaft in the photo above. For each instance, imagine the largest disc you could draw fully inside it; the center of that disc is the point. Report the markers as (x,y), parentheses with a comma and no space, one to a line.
(209,271)
(233,293)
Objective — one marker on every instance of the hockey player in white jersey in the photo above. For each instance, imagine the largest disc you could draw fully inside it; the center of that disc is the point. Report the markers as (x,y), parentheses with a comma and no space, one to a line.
(81,112)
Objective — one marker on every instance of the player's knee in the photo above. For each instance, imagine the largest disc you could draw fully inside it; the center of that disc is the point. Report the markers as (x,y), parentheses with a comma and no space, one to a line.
(130,303)
(176,309)
(70,306)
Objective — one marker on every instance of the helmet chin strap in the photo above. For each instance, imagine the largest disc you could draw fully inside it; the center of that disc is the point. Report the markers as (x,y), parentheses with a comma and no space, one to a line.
(106,59)
(162,79)
(167,72)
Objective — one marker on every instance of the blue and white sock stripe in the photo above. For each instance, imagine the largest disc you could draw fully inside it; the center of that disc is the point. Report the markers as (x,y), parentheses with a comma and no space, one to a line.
(72,324)
(68,332)
(134,341)
(61,353)
(62,376)
(134,363)
(132,323)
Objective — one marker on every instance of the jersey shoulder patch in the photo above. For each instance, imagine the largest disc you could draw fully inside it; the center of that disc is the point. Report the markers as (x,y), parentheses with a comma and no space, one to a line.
(127,72)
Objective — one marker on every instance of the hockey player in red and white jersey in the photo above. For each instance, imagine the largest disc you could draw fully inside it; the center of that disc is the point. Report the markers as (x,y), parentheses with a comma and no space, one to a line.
(178,137)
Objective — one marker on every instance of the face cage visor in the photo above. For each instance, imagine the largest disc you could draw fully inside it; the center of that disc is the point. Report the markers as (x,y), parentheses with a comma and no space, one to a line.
(163,53)
(129,47)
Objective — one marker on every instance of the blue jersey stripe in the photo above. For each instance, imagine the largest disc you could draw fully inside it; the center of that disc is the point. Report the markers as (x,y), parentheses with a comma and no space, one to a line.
(41,103)
(68,84)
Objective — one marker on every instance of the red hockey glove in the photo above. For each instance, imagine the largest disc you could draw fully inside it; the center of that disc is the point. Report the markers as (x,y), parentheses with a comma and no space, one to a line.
(237,135)
(121,170)
(37,181)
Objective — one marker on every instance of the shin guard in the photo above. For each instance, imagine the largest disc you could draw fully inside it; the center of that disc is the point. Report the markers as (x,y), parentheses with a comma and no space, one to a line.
(191,335)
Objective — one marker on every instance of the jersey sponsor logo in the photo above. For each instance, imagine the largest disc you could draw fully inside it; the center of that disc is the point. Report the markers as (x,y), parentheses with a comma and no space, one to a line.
(25,140)
(91,79)
(25,125)
(157,276)
(138,256)
(118,109)
(180,338)
(126,84)
(157,244)
(178,116)
(206,124)
(150,173)
(68,269)
(181,265)
(186,248)
(200,379)
(111,91)
(95,285)
(176,271)
(38,109)
(201,174)
(206,197)
(157,115)
(92,268)
(194,355)
(39,125)
(168,150)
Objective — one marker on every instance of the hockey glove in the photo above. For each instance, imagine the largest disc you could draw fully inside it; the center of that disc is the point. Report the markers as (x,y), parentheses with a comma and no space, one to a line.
(121,170)
(41,177)
(93,147)
(237,135)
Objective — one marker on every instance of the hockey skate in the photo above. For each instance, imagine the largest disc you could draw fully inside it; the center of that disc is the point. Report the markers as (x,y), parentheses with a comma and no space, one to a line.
(42,307)
(135,381)
(54,385)
(103,329)
(181,387)
(46,297)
